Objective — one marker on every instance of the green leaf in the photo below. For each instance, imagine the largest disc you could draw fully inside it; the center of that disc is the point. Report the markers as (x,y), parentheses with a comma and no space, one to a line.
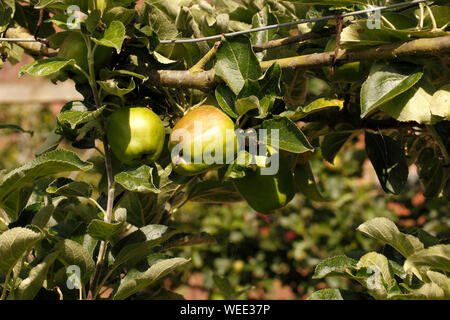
(3,226)
(226,99)
(359,34)
(397,269)
(326,294)
(30,286)
(333,266)
(137,245)
(139,180)
(111,86)
(44,3)
(441,280)
(389,161)
(168,184)
(412,105)
(379,280)
(45,67)
(13,244)
(432,174)
(261,19)
(42,217)
(162,59)
(236,62)
(185,239)
(73,253)
(440,103)
(429,291)
(384,83)
(119,14)
(69,188)
(244,105)
(331,2)
(159,22)
(270,83)
(305,181)
(15,202)
(92,20)
(225,287)
(101,230)
(123,73)
(315,106)
(332,143)
(136,280)
(384,230)
(113,36)
(436,257)
(51,143)
(213,191)
(290,137)
(6,13)
(75,113)
(53,162)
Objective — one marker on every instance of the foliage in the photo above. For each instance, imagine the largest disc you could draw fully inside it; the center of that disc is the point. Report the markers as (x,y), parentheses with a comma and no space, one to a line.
(415,268)
(58,232)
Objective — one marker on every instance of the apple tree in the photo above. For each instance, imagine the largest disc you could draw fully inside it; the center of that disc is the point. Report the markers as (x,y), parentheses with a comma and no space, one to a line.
(156,102)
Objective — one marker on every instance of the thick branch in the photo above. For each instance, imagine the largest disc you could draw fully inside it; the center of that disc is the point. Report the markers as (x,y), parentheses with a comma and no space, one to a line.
(34,48)
(389,51)
(207,80)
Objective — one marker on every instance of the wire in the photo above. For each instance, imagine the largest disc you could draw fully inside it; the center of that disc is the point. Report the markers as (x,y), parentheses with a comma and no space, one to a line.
(286,24)
(279,25)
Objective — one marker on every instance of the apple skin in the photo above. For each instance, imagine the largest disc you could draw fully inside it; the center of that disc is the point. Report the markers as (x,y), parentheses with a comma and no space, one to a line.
(136,135)
(206,126)
(74,47)
(266,193)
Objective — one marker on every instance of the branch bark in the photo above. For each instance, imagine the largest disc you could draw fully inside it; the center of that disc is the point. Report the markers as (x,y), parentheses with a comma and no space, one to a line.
(294,39)
(207,80)
(34,48)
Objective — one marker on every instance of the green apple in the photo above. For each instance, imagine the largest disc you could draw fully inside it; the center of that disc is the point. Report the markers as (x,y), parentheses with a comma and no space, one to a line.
(238,266)
(265,193)
(204,139)
(74,47)
(136,135)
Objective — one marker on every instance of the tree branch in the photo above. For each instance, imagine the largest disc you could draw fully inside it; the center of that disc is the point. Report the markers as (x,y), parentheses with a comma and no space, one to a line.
(294,39)
(34,48)
(207,80)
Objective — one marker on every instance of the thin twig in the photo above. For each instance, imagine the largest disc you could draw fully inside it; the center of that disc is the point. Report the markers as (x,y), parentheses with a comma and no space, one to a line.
(433,20)
(201,64)
(293,39)
(8,275)
(109,173)
(39,23)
